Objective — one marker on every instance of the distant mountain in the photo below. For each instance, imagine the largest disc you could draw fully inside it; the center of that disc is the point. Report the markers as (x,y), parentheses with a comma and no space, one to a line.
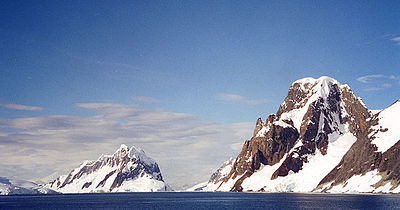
(16,186)
(127,170)
(216,178)
(322,138)
(197,187)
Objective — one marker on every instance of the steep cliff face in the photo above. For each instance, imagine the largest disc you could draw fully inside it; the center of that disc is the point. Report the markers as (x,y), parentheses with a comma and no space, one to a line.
(127,170)
(373,163)
(296,148)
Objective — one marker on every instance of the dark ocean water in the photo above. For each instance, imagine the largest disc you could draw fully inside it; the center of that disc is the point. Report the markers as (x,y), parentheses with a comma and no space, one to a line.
(194,200)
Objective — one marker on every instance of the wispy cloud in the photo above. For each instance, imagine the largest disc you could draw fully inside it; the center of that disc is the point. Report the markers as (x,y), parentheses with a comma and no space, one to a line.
(368,78)
(239,99)
(21,107)
(378,81)
(179,142)
(396,40)
(147,99)
(391,37)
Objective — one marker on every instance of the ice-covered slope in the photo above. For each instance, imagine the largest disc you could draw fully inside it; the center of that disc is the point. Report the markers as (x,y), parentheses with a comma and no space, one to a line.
(127,170)
(373,163)
(297,147)
(306,179)
(16,186)
(387,132)
(197,187)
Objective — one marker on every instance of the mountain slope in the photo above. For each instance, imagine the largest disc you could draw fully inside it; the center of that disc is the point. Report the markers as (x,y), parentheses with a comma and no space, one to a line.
(16,186)
(127,170)
(314,127)
(373,163)
(216,178)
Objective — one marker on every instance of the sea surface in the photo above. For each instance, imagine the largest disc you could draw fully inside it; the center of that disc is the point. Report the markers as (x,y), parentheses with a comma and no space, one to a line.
(200,200)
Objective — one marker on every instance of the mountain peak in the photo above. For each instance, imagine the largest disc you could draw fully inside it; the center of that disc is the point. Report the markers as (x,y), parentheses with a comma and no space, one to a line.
(318,118)
(123,146)
(307,92)
(138,153)
(322,79)
(316,87)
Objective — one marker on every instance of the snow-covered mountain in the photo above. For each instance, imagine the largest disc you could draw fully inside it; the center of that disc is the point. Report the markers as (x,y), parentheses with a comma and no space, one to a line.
(127,170)
(312,140)
(216,178)
(16,186)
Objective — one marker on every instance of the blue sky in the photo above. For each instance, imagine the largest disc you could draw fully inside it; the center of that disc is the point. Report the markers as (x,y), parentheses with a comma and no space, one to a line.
(200,63)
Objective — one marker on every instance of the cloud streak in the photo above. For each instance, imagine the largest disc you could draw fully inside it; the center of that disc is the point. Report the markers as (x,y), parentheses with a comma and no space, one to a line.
(396,40)
(21,107)
(369,78)
(187,149)
(233,98)
(378,81)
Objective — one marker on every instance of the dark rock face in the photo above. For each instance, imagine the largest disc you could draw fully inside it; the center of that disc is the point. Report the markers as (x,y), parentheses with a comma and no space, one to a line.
(310,113)
(389,167)
(266,150)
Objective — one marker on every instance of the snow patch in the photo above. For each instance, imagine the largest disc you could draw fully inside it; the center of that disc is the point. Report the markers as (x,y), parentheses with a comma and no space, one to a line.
(282,124)
(263,131)
(384,189)
(358,183)
(388,119)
